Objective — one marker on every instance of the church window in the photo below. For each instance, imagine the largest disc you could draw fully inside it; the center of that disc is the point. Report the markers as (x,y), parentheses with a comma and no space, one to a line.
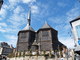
(45,33)
(23,35)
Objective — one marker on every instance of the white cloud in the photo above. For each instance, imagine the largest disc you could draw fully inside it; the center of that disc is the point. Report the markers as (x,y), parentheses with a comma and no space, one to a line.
(5,6)
(1,18)
(11,40)
(28,1)
(73,13)
(61,4)
(18,10)
(57,20)
(3,24)
(0,27)
(66,27)
(17,20)
(11,37)
(13,2)
(18,17)
(12,30)
(67,41)
(3,13)
(1,41)
(2,30)
(8,28)
(34,9)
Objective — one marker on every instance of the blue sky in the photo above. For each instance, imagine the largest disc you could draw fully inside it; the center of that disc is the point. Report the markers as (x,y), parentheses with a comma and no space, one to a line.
(58,14)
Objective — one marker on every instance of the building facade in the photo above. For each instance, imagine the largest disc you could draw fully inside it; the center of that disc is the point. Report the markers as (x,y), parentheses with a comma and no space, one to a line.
(45,39)
(75,24)
(5,49)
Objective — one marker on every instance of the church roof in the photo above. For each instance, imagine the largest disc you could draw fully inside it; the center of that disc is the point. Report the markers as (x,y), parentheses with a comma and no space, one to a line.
(28,27)
(46,25)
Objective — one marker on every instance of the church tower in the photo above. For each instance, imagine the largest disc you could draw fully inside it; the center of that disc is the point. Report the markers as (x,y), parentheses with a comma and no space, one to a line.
(26,36)
(47,38)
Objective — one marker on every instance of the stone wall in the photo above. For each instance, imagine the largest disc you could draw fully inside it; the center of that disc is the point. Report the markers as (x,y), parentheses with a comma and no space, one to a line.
(38,58)
(28,58)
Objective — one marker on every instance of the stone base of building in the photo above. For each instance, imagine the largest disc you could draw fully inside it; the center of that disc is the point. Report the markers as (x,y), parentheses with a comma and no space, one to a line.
(38,58)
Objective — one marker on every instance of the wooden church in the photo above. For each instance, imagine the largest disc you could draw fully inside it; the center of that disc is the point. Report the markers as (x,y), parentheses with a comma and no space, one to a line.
(45,39)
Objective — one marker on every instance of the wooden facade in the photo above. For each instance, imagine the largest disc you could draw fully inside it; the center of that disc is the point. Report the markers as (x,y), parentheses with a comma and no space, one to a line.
(25,40)
(46,40)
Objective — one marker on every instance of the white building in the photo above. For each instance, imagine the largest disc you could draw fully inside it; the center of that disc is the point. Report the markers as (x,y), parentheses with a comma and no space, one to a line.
(75,24)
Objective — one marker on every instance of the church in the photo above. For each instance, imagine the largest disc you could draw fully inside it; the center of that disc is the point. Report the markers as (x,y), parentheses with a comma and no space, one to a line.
(45,39)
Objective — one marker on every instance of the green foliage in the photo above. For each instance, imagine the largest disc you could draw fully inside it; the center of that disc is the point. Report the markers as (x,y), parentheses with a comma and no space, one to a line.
(50,54)
(44,52)
(11,55)
(16,55)
(19,54)
(24,54)
(61,53)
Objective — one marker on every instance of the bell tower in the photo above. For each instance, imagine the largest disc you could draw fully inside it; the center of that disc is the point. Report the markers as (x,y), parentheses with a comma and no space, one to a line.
(26,36)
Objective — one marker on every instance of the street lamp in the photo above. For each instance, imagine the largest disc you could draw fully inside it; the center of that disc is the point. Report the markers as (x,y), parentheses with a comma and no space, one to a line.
(1,2)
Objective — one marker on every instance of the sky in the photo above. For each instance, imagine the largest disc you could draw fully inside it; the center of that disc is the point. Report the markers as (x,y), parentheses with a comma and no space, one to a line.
(58,14)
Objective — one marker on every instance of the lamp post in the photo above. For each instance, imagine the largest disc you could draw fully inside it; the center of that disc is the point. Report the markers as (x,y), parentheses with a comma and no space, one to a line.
(1,3)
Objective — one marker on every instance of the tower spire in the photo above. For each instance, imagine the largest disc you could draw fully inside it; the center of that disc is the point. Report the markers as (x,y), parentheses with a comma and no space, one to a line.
(29,17)
(45,22)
